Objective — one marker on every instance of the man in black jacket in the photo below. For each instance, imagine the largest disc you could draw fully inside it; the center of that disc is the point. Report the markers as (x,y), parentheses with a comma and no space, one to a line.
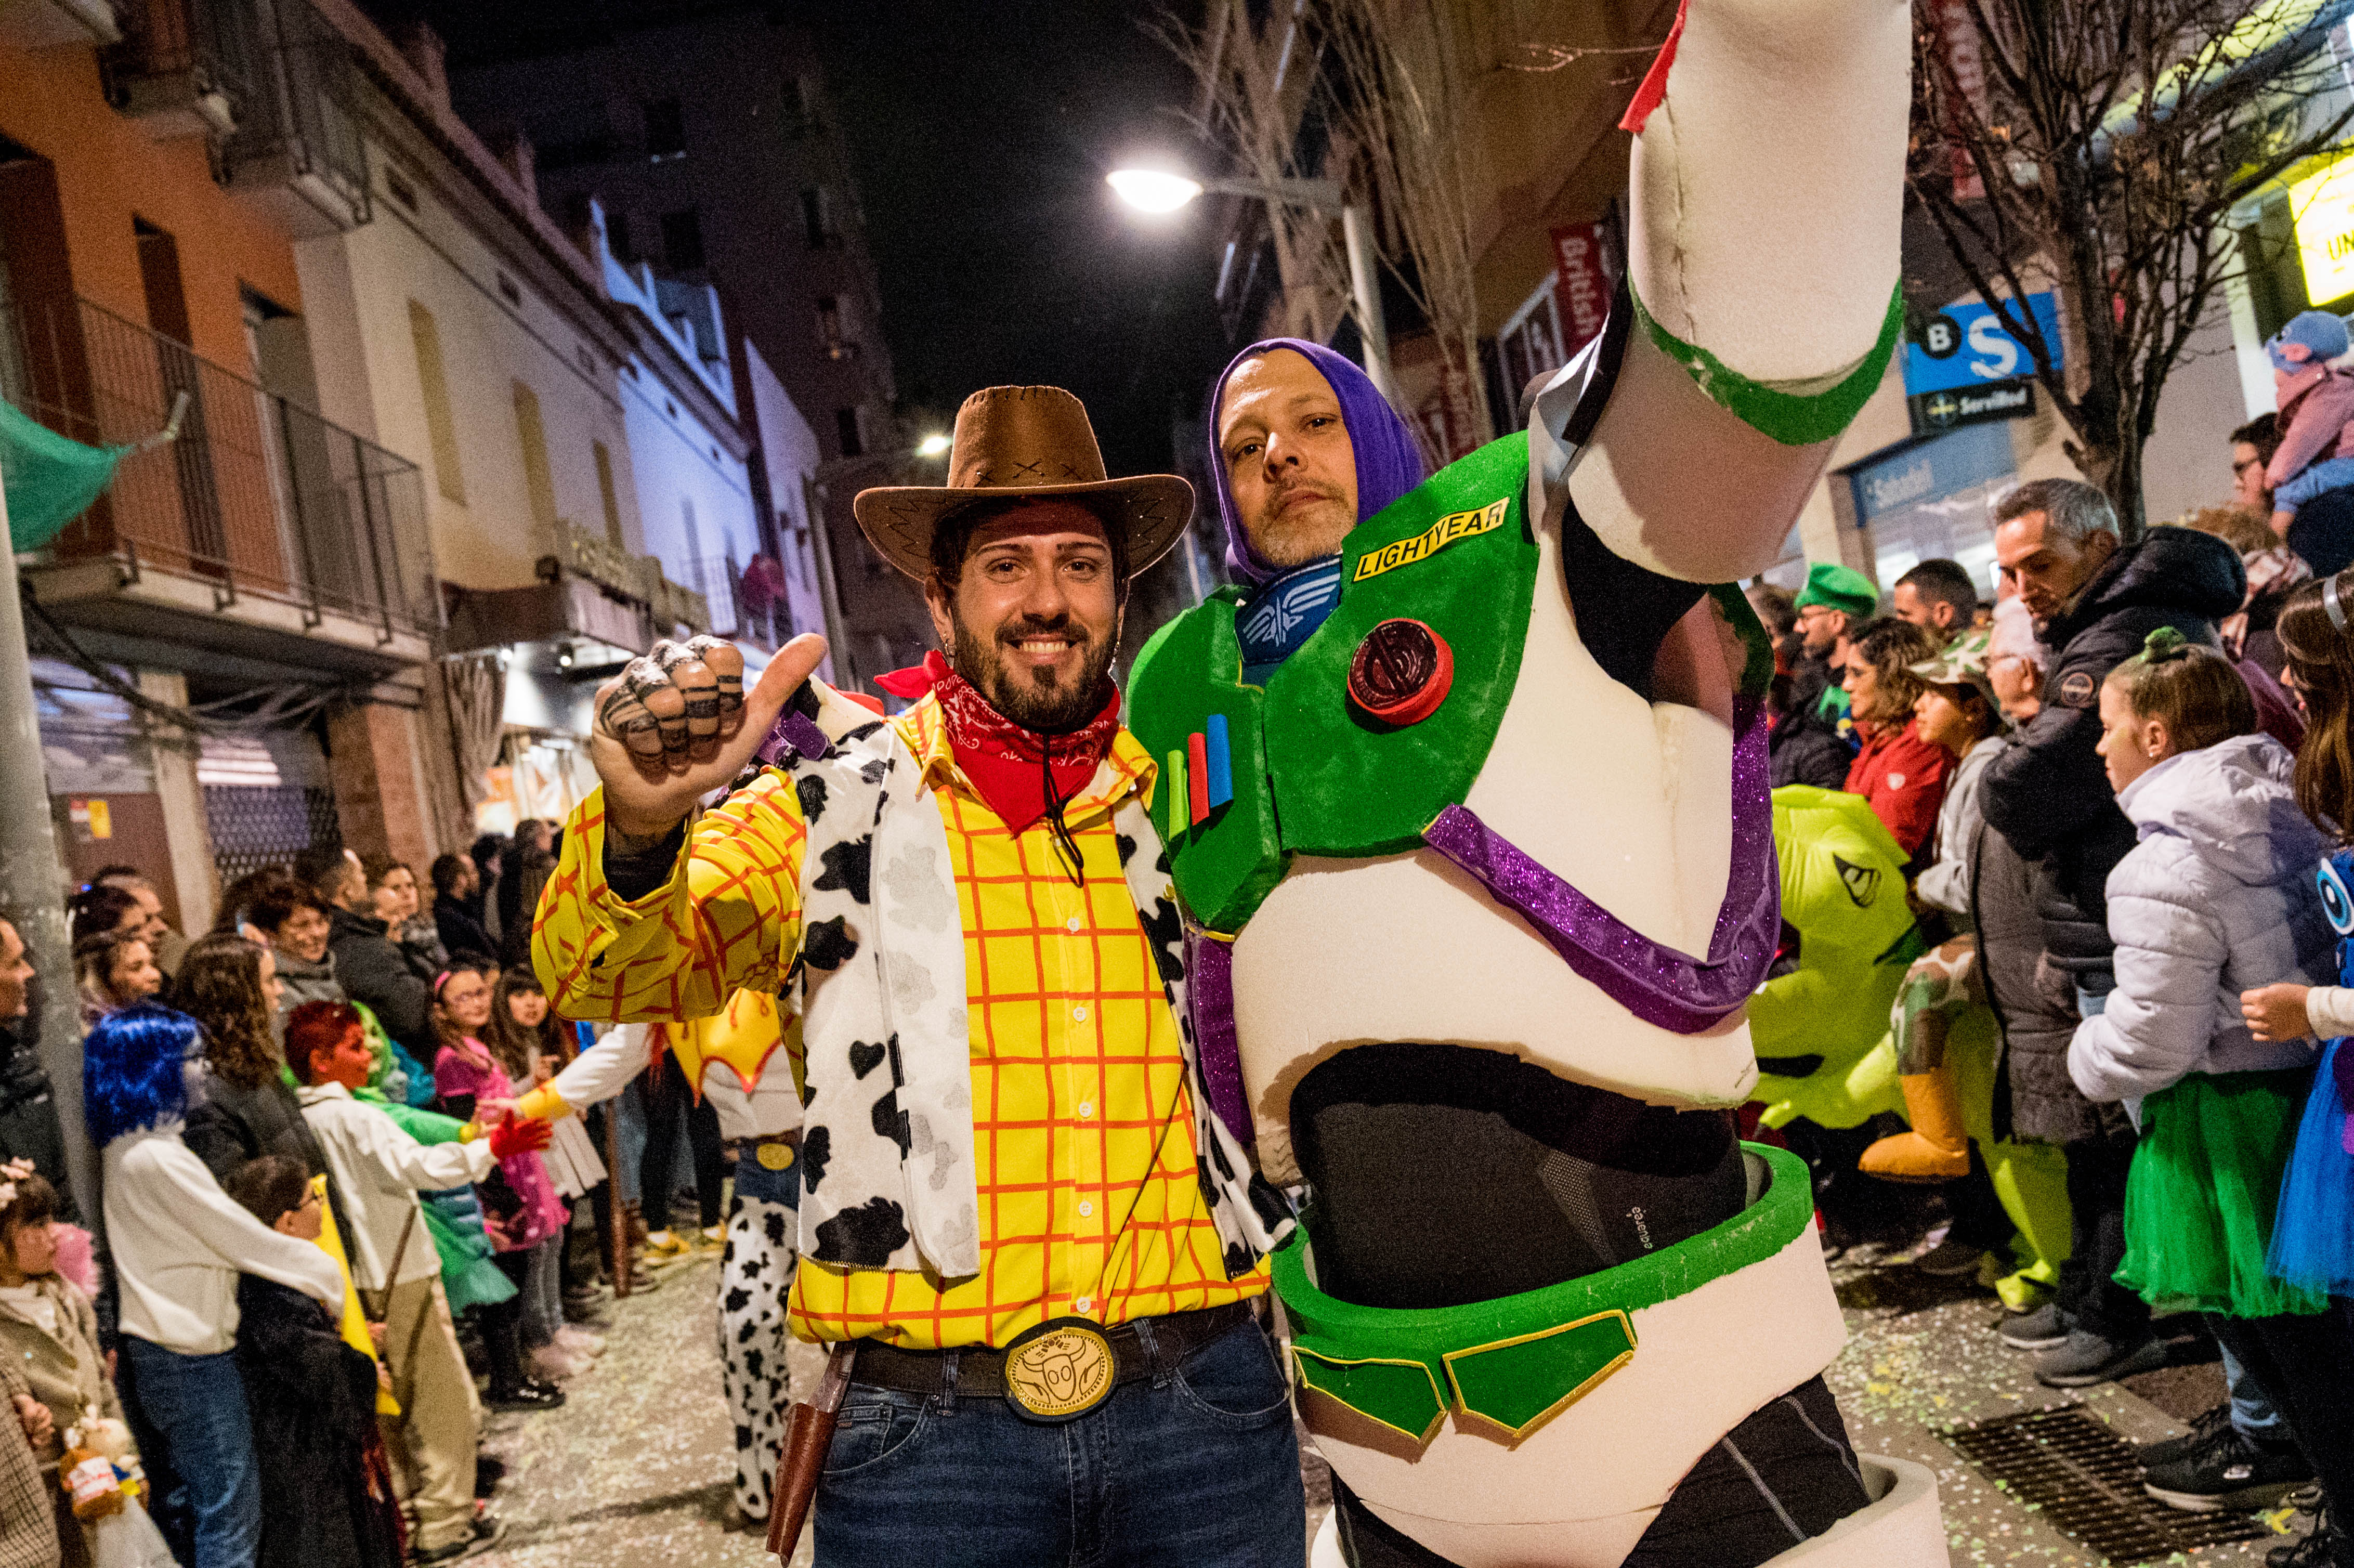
(2094,599)
(372,969)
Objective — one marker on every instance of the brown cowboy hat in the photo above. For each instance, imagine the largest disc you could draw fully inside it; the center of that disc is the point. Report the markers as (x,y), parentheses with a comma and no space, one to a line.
(1017,441)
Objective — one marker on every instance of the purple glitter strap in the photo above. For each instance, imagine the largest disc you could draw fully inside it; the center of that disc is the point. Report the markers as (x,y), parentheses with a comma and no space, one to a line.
(794,731)
(1650,980)
(1210,977)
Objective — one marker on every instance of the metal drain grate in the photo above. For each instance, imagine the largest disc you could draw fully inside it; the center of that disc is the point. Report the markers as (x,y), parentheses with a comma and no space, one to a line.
(2082,1477)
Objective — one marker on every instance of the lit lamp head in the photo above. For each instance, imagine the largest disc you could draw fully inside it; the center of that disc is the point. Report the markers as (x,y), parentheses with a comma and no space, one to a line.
(1153,190)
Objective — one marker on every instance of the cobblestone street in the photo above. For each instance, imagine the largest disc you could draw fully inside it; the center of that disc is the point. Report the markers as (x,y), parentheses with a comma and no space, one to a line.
(633,1471)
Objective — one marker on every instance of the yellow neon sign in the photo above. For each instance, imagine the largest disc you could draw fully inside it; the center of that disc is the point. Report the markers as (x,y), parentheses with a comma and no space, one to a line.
(2323,207)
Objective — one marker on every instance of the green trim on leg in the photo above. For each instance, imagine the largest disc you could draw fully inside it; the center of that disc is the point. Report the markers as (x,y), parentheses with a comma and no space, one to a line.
(1793,419)
(1508,1359)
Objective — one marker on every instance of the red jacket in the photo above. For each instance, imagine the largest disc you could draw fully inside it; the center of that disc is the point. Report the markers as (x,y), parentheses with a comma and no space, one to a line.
(1904,779)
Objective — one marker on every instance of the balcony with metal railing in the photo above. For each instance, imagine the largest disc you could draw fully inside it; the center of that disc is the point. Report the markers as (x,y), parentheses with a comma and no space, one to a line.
(183,67)
(297,152)
(263,529)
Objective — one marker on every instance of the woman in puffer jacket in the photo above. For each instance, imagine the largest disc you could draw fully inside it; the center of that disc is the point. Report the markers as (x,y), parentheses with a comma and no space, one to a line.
(2216,896)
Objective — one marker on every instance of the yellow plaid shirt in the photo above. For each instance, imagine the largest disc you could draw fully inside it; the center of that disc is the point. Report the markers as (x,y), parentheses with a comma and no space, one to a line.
(1078,1075)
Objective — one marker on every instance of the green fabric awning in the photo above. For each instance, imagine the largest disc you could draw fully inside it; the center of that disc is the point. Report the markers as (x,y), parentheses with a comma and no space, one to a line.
(51,479)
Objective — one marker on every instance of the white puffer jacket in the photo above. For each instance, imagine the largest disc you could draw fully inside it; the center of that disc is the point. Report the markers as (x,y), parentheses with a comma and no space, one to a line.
(2217,898)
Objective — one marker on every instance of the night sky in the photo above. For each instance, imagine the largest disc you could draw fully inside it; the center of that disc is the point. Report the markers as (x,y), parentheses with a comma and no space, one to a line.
(981,134)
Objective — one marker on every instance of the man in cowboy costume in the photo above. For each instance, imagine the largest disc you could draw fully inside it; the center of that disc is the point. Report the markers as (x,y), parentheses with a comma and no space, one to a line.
(1014,1198)
(1477,839)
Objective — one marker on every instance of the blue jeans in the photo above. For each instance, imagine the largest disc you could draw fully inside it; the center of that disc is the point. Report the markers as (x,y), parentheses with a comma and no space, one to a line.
(1198,1468)
(2252,1411)
(196,1406)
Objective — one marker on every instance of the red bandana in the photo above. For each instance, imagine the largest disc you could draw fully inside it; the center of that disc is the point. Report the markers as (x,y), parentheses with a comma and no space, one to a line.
(1000,757)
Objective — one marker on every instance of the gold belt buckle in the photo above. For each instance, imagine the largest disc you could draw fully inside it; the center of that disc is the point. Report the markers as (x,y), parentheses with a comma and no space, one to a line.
(1060,1370)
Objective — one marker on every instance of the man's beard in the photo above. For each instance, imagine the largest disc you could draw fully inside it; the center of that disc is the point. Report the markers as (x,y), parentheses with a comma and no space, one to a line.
(1039,700)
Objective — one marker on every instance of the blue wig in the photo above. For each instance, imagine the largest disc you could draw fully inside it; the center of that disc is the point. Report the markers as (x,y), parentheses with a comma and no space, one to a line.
(133,1070)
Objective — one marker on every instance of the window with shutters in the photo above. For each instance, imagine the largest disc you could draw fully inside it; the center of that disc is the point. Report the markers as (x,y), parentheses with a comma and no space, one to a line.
(608,496)
(440,423)
(538,481)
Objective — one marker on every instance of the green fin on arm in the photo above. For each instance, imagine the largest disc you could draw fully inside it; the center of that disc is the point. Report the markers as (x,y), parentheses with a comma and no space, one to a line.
(1793,419)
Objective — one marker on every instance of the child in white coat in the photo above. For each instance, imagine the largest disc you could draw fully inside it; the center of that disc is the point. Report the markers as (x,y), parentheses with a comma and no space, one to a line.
(2216,897)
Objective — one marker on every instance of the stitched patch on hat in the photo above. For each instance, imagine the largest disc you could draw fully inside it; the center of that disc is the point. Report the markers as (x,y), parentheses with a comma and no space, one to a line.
(2079,690)
(1896,781)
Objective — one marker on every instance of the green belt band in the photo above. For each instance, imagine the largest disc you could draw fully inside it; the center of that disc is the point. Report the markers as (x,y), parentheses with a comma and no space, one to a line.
(1518,1361)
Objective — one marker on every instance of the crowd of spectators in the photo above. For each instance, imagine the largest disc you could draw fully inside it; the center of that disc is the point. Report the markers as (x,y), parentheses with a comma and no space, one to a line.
(2116,785)
(328,1247)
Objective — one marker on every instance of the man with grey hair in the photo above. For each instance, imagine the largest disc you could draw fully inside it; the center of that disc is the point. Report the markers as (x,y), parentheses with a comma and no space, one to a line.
(2094,598)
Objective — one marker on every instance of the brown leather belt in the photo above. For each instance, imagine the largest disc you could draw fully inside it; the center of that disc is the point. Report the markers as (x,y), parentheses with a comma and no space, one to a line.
(980,1373)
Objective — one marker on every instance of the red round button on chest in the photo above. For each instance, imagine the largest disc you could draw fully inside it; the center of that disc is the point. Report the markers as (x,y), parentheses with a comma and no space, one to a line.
(1400,672)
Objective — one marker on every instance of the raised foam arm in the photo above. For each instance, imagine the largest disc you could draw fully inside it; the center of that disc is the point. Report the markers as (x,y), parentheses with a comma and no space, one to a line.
(1767,186)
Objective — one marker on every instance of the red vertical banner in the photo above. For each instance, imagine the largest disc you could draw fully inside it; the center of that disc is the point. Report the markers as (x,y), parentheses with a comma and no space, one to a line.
(1581,284)
(1959,34)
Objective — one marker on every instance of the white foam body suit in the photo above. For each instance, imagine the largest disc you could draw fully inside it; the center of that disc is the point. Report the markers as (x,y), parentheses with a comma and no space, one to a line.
(1767,197)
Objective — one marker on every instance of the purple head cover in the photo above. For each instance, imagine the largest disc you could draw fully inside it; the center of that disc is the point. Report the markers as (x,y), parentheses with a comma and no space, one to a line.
(1389,463)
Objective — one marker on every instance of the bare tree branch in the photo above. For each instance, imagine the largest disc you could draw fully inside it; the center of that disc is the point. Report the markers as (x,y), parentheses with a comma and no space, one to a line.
(2112,139)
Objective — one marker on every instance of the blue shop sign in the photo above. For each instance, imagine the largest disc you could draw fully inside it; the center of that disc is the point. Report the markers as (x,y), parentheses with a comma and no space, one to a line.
(1929,470)
(1965,346)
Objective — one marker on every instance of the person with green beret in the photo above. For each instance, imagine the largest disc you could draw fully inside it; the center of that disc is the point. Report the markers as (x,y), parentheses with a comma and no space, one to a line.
(1835,601)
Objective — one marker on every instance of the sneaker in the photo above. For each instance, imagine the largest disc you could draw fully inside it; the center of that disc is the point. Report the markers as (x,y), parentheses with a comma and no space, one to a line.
(2150,1455)
(713,1237)
(2045,1328)
(482,1537)
(531,1394)
(1950,1259)
(2232,1471)
(2088,1358)
(663,1248)
(579,1343)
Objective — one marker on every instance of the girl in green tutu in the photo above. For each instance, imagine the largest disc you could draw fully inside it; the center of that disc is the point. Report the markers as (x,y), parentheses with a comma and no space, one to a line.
(2217,898)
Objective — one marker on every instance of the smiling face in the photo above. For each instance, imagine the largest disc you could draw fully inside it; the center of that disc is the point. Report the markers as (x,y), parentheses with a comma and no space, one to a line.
(1289,463)
(465,1001)
(1034,616)
(303,935)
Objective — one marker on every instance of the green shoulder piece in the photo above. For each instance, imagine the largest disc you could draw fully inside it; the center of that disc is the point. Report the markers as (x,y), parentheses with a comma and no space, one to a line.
(1456,554)
(1225,864)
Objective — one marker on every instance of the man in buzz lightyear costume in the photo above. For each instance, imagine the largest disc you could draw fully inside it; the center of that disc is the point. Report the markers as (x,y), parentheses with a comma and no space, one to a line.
(1473,821)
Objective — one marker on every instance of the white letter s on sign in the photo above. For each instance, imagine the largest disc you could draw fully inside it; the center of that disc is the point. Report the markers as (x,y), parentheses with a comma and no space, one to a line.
(1993,353)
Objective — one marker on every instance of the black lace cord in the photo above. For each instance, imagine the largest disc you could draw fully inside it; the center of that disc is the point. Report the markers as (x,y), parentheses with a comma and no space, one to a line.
(1067,847)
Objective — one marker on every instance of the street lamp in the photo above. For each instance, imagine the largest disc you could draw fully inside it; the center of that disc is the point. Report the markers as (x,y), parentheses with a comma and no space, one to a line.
(1158,191)
(932,446)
